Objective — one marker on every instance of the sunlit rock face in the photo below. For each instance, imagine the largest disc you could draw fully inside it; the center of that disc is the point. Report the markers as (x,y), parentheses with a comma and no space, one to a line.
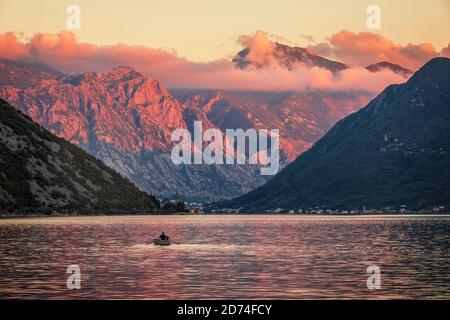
(126,120)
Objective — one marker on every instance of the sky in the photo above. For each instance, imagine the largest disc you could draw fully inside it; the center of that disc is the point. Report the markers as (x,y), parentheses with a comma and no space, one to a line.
(191,43)
(206,30)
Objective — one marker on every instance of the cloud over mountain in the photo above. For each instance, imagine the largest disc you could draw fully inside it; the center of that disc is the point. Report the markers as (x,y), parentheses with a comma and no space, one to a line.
(63,51)
(365,48)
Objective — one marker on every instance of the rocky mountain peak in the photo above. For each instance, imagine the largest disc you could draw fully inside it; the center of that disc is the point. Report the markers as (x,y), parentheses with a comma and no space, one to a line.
(24,73)
(122,73)
(287,57)
(384,65)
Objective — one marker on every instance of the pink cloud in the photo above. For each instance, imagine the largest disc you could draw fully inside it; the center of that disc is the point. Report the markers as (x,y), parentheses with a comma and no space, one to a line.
(260,48)
(365,48)
(64,52)
(10,47)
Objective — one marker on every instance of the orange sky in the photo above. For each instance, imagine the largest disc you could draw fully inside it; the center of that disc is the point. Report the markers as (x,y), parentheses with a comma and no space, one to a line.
(190,43)
(206,30)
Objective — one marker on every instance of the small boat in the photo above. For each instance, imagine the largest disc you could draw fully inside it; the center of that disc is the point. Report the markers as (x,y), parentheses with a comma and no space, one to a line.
(162,242)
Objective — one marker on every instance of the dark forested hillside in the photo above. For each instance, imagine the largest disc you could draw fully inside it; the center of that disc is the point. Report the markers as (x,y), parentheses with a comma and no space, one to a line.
(393,152)
(42,173)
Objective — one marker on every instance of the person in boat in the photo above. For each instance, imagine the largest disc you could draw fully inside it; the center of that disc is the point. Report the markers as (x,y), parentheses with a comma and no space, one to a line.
(163,236)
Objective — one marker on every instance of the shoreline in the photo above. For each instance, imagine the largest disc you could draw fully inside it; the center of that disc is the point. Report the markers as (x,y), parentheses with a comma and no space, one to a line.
(128,214)
(387,214)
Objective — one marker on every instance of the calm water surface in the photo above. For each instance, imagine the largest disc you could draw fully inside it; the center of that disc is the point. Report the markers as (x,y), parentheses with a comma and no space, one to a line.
(281,257)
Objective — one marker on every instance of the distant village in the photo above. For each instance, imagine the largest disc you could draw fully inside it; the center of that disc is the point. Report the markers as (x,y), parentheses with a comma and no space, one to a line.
(185,207)
(402,209)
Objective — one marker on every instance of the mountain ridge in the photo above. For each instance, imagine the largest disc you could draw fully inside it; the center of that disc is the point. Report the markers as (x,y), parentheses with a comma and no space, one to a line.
(25,73)
(126,119)
(392,152)
(384,65)
(41,173)
(289,57)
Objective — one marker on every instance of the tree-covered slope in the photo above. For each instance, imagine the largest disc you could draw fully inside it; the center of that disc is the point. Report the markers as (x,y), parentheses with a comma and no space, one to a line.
(40,172)
(395,151)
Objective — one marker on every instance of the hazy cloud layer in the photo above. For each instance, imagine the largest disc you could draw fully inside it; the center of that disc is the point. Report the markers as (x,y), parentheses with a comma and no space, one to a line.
(64,52)
(365,48)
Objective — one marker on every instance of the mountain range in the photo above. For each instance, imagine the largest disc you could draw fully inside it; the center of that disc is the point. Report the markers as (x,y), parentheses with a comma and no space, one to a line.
(41,173)
(287,57)
(290,57)
(125,119)
(392,153)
